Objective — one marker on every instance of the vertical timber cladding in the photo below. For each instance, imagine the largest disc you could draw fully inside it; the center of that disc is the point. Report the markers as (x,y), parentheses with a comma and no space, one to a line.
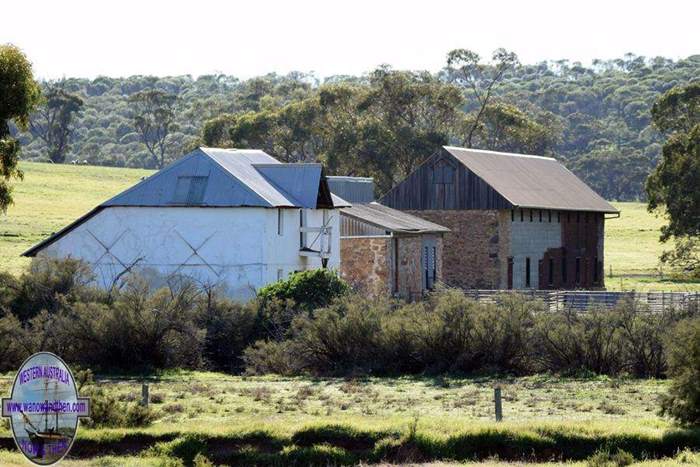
(581,250)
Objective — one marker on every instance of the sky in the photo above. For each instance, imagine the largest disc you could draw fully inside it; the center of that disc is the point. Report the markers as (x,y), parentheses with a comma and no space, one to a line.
(76,38)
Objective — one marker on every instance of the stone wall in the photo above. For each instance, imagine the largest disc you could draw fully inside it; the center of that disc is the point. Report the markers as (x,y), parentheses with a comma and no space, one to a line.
(366,264)
(410,267)
(471,249)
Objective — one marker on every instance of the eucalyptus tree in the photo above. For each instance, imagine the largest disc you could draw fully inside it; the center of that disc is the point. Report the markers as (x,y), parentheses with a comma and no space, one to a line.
(466,68)
(19,94)
(54,120)
(153,117)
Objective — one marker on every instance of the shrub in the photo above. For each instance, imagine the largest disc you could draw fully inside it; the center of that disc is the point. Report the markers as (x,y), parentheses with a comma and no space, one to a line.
(12,353)
(683,353)
(574,342)
(266,357)
(230,328)
(50,284)
(308,289)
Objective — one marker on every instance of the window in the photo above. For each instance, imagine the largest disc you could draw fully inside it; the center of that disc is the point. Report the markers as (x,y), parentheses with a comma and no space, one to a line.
(427,267)
(280,222)
(434,264)
(280,274)
(512,215)
(522,215)
(550,273)
(190,190)
(578,270)
(527,272)
(530,215)
(558,216)
(540,215)
(549,213)
(595,270)
(302,235)
(568,217)
(578,217)
(563,269)
(443,182)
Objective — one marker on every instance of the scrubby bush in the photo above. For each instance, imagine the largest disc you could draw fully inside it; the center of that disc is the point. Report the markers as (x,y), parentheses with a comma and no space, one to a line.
(230,328)
(683,354)
(310,289)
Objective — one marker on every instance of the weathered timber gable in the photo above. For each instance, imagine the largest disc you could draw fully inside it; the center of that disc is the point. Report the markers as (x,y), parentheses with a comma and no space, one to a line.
(444,183)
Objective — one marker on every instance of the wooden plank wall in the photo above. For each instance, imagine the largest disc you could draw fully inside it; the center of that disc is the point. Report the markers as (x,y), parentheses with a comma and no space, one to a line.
(427,188)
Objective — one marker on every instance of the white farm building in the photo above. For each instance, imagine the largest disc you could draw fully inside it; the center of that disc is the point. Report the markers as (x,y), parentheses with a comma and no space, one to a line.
(235,218)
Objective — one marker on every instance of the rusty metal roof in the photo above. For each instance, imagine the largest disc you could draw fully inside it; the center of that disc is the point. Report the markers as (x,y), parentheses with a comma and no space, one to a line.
(531,181)
(391,219)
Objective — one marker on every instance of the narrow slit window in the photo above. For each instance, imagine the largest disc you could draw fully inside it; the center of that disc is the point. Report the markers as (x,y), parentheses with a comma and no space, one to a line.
(595,270)
(549,213)
(550,272)
(280,222)
(530,215)
(540,215)
(563,270)
(512,215)
(527,272)
(578,271)
(434,264)
(522,215)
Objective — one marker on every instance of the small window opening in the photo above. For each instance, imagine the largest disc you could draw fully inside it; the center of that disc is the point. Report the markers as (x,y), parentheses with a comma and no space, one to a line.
(434,264)
(578,270)
(549,213)
(280,222)
(563,270)
(522,215)
(530,215)
(512,215)
(595,270)
(550,272)
(527,272)
(540,215)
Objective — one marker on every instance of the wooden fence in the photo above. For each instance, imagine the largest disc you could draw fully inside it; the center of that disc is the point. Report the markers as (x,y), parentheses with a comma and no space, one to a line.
(581,300)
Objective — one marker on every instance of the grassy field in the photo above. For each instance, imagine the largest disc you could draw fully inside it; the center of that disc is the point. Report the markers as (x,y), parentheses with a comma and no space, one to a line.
(51,196)
(274,420)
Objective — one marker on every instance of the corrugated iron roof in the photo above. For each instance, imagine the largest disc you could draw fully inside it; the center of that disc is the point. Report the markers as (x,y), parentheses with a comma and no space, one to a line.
(531,181)
(391,219)
(353,189)
(225,178)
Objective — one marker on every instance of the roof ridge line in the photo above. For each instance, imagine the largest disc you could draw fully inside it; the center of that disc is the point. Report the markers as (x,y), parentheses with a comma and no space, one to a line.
(501,153)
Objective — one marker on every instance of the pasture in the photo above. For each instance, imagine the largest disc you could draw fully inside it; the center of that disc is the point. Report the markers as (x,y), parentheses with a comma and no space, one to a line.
(51,196)
(279,421)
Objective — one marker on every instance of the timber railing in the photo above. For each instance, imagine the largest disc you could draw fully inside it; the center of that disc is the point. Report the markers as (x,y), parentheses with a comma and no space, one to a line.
(581,300)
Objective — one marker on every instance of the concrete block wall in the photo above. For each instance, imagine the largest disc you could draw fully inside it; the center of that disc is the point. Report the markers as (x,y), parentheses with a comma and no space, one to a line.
(530,238)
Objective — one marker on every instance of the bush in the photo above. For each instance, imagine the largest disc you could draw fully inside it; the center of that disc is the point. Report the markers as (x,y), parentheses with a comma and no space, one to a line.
(308,289)
(230,328)
(683,353)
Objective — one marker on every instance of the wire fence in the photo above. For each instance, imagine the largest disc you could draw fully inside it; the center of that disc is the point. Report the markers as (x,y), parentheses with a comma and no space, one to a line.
(581,300)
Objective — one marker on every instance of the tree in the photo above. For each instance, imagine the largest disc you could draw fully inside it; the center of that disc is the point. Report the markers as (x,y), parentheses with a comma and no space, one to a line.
(466,68)
(153,116)
(54,122)
(673,185)
(19,94)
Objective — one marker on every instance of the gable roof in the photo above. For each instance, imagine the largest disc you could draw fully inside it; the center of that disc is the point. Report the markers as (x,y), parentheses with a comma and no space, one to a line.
(531,181)
(227,178)
(391,219)
(234,178)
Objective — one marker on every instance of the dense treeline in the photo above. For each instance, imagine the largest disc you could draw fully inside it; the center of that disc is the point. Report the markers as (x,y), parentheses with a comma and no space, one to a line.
(136,327)
(596,119)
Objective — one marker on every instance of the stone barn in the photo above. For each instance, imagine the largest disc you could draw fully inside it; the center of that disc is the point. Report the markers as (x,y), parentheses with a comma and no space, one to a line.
(235,218)
(385,251)
(516,221)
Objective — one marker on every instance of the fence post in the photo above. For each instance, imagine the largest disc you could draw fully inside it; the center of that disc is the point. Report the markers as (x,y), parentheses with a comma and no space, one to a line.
(497,401)
(144,395)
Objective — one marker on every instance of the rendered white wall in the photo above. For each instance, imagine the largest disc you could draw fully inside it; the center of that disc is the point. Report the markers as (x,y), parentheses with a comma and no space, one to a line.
(235,247)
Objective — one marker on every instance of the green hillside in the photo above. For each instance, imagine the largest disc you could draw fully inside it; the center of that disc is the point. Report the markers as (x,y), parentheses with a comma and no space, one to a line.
(51,196)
